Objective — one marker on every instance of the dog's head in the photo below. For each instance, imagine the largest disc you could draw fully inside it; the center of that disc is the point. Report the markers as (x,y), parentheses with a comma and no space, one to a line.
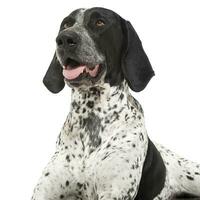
(94,46)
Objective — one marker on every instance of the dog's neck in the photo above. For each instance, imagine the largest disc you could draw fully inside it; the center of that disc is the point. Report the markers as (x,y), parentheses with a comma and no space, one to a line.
(103,100)
(97,111)
(98,96)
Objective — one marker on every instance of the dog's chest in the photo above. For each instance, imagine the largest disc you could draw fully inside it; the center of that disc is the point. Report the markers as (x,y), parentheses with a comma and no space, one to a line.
(89,126)
(93,133)
(89,143)
(86,133)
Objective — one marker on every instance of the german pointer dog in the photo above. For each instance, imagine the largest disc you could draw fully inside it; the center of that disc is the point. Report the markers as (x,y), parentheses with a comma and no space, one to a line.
(103,151)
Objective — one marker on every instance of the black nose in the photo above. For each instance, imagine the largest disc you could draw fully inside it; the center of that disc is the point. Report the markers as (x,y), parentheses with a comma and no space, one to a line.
(67,40)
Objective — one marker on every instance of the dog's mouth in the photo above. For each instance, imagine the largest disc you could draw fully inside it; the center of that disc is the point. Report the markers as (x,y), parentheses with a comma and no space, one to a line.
(74,70)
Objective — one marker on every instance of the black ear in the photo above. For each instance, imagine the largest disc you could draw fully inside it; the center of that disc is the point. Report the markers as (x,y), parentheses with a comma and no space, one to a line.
(53,79)
(135,63)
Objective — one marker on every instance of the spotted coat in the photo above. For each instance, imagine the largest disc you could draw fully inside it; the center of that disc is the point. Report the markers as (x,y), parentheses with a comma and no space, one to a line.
(101,150)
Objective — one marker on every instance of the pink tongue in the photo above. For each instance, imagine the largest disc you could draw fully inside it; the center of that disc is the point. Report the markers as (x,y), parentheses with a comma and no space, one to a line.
(74,73)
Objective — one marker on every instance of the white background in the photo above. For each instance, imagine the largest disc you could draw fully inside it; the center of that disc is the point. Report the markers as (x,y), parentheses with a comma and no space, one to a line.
(31,117)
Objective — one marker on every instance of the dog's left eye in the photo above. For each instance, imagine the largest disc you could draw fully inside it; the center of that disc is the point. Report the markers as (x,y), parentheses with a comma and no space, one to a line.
(100,22)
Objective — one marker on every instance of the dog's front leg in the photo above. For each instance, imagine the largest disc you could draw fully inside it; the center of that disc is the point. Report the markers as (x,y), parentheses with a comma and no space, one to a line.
(118,169)
(57,180)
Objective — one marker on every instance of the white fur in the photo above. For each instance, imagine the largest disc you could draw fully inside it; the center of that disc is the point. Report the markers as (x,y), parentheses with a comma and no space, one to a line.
(78,170)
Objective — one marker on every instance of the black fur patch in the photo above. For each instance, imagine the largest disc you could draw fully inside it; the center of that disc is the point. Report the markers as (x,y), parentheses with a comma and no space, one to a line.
(185,196)
(153,175)
(93,124)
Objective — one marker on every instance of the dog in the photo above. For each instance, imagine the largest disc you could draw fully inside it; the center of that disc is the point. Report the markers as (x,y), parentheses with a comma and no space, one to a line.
(103,151)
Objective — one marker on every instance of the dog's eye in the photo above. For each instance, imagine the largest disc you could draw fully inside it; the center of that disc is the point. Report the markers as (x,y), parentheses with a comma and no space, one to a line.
(100,22)
(67,25)
(67,22)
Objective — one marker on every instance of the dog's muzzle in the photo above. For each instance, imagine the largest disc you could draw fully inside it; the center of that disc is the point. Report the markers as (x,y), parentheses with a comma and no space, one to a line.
(74,67)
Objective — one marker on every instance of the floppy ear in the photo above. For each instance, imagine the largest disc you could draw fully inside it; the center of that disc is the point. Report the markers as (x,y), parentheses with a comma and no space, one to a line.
(135,63)
(53,79)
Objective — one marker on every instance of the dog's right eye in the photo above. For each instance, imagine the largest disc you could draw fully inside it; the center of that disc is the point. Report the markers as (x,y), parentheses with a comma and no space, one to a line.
(68,22)
(67,25)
